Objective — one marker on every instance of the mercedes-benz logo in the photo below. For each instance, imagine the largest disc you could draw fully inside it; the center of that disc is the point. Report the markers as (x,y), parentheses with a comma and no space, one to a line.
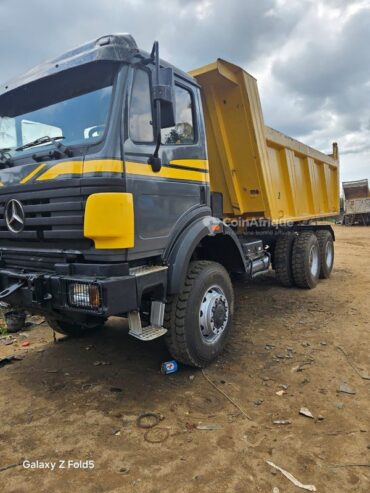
(14,216)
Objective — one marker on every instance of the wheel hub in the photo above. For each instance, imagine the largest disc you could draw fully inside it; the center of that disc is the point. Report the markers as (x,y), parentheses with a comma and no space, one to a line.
(314,260)
(213,314)
(329,254)
(219,312)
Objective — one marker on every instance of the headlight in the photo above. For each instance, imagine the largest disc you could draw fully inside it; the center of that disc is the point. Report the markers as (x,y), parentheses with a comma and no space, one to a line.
(84,295)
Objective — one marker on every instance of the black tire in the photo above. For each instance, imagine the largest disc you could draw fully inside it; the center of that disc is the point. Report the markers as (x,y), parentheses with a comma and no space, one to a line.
(326,245)
(185,340)
(283,259)
(72,329)
(303,274)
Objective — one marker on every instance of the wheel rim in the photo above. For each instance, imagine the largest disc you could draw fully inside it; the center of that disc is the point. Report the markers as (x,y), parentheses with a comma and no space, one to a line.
(329,254)
(314,260)
(213,314)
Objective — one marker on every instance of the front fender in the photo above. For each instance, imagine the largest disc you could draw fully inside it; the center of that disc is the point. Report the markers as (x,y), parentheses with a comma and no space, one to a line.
(179,257)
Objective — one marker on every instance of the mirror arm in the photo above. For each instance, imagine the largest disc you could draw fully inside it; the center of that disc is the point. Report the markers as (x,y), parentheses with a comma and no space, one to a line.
(154,160)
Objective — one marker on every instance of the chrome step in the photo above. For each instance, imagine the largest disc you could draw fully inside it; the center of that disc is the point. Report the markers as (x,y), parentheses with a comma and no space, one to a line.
(152,331)
(148,333)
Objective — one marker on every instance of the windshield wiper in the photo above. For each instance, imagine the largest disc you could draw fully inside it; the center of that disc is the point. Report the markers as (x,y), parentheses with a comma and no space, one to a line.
(41,140)
(60,149)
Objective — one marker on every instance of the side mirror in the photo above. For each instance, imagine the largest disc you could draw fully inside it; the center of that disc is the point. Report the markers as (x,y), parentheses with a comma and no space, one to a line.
(164,94)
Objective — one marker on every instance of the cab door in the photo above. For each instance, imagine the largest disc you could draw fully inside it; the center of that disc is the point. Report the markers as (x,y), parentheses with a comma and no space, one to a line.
(164,200)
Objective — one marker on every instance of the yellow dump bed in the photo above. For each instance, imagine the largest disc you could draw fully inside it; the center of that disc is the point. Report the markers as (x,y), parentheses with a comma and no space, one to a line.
(261,173)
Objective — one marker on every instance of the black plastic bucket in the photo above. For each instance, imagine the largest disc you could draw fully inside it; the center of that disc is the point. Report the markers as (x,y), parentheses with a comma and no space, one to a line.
(15,320)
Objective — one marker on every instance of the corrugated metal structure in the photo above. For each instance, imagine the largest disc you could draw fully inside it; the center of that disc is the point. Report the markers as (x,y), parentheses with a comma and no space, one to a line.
(261,173)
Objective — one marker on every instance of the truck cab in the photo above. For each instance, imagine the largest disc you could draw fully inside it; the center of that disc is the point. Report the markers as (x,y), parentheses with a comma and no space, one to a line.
(87,224)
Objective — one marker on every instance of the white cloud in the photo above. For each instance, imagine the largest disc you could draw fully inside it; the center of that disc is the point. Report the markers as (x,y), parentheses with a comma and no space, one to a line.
(316,86)
(311,57)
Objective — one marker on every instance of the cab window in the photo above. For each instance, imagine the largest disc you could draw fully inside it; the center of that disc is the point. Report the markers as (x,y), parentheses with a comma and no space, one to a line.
(183,131)
(140,117)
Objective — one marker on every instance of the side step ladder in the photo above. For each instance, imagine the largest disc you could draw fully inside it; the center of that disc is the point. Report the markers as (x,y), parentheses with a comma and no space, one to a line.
(155,329)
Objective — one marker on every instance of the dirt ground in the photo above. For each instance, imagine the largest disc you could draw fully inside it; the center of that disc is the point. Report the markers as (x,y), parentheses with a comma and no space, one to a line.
(80,399)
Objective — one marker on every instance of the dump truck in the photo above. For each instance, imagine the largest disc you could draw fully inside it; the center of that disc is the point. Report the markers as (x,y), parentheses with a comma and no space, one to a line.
(130,188)
(357,202)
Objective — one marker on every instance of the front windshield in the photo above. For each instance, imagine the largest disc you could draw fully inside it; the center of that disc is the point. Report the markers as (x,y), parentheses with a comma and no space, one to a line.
(74,106)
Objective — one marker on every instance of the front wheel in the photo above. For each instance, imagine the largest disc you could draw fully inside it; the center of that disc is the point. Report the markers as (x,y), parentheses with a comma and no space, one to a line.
(199,319)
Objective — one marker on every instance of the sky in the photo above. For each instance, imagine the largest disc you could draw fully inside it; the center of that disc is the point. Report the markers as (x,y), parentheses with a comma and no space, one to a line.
(311,57)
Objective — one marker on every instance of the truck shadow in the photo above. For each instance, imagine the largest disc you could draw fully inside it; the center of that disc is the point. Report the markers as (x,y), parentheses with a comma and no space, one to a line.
(108,356)
(108,372)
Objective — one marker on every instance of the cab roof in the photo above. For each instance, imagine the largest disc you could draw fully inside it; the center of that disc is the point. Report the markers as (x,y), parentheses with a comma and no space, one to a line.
(112,48)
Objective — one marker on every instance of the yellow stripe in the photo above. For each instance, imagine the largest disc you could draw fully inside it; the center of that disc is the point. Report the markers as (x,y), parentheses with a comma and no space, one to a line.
(172,173)
(79,168)
(103,166)
(116,166)
(66,168)
(191,163)
(32,174)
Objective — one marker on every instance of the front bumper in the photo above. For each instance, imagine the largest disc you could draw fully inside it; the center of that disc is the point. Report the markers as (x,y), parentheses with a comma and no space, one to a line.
(48,292)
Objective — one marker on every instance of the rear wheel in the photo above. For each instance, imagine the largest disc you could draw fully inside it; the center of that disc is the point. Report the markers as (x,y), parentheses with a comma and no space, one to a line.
(326,248)
(72,329)
(306,260)
(199,319)
(283,259)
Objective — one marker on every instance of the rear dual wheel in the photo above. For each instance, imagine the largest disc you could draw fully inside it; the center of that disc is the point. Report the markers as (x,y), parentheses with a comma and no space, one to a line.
(283,259)
(326,247)
(306,260)
(301,260)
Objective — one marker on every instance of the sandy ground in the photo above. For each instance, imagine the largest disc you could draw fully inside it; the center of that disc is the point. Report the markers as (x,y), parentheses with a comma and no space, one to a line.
(59,403)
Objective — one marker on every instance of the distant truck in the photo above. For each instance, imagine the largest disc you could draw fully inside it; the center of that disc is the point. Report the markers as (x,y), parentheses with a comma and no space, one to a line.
(133,189)
(357,203)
